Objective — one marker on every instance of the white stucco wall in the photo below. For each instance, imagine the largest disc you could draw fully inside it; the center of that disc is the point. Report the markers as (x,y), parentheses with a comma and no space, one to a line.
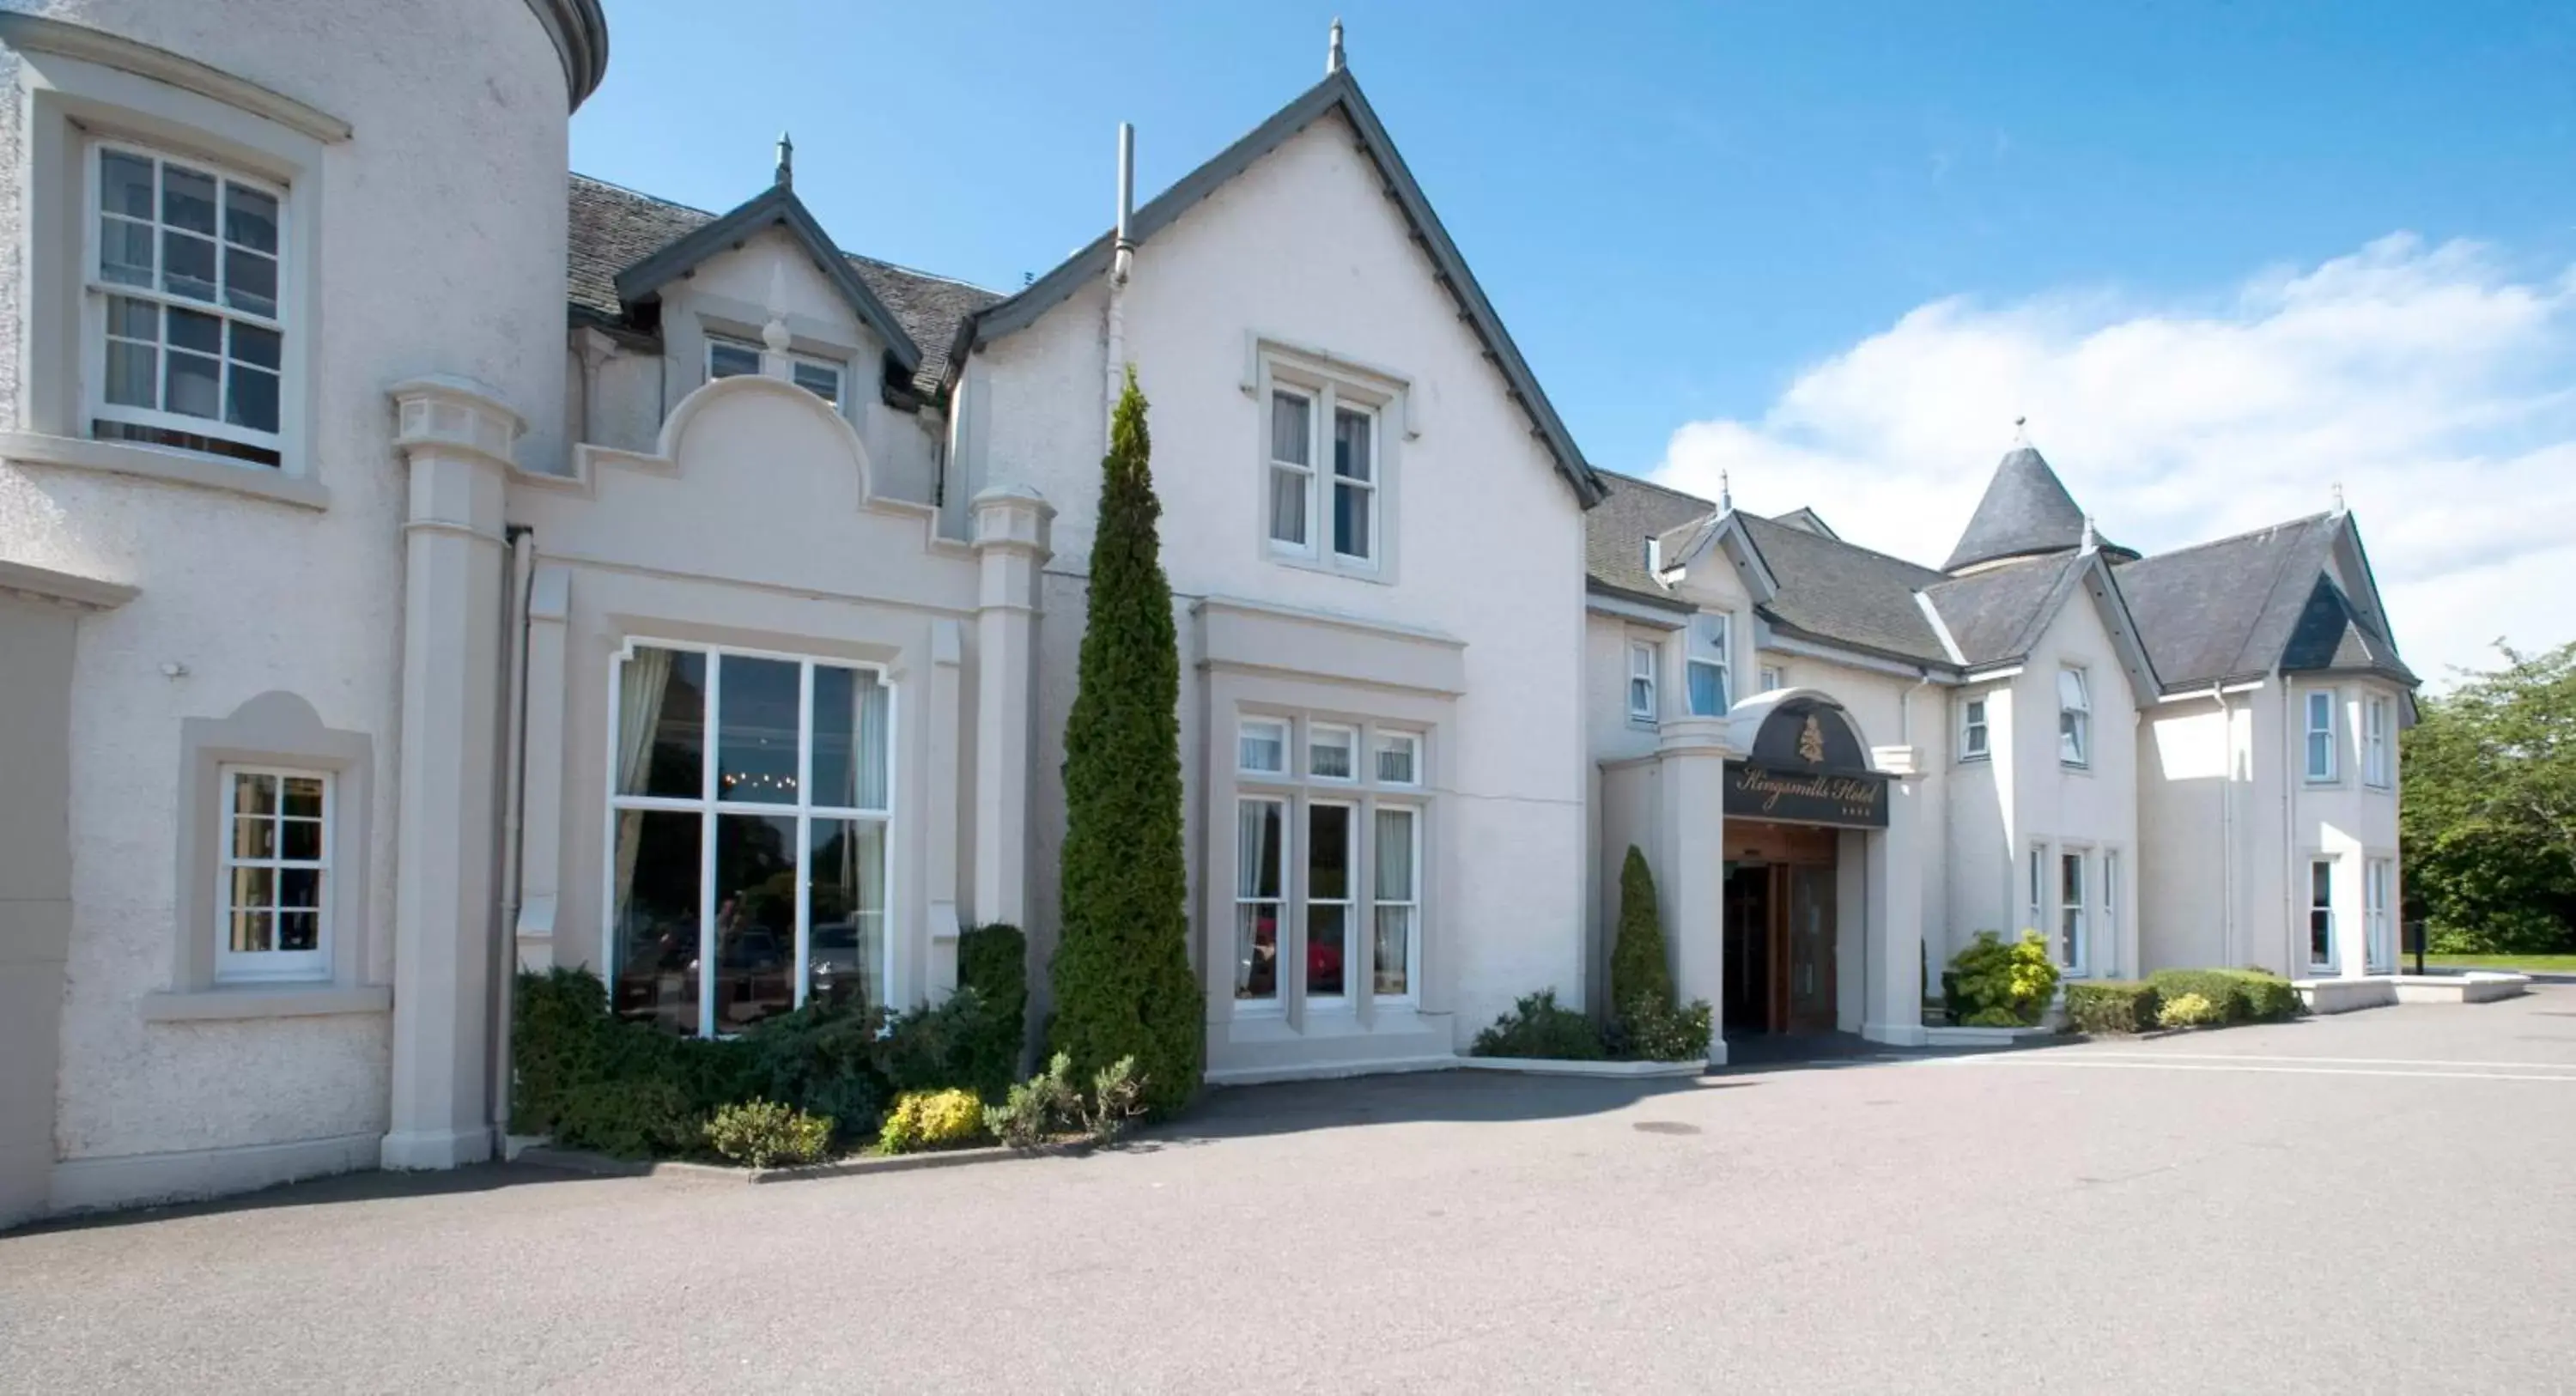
(442,250)
(1304,248)
(2093,808)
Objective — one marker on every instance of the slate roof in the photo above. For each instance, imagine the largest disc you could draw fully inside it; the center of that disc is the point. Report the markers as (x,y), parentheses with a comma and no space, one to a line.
(613,228)
(2025,512)
(1807,519)
(1837,591)
(2234,607)
(1615,533)
(1338,92)
(1998,614)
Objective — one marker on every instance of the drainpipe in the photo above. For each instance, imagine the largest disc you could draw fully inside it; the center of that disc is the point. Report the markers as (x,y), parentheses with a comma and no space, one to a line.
(2290,773)
(514,759)
(1122,264)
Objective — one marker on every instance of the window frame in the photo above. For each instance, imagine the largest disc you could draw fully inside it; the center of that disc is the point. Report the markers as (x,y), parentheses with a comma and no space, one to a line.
(2325,864)
(2109,926)
(840,377)
(272,967)
(2074,910)
(716,342)
(1773,678)
(1281,900)
(1411,904)
(267,451)
(1351,746)
(1641,689)
(1976,732)
(1711,636)
(2378,910)
(1412,742)
(1350,902)
(2036,890)
(1330,391)
(1287,736)
(2311,701)
(2378,771)
(2075,720)
(711,805)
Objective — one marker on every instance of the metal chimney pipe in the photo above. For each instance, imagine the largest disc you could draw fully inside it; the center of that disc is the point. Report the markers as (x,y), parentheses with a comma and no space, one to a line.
(1126,183)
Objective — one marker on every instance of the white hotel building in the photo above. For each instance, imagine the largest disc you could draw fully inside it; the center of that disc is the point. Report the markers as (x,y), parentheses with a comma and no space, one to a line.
(417,561)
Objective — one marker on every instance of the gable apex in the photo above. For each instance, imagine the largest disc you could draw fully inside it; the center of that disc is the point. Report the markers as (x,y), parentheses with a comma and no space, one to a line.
(1338,92)
(777,206)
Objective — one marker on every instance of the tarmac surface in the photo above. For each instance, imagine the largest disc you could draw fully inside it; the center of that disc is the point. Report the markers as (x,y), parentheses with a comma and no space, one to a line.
(2381,1201)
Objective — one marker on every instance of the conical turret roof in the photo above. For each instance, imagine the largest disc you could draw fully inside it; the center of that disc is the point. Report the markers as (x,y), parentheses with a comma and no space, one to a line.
(2026,512)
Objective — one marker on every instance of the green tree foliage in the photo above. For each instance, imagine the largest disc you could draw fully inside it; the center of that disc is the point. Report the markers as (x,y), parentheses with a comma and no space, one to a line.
(1123,985)
(2489,818)
(1637,965)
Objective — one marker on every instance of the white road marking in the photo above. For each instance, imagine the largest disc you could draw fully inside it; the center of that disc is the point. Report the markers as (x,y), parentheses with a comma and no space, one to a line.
(2213,1064)
(2321,1061)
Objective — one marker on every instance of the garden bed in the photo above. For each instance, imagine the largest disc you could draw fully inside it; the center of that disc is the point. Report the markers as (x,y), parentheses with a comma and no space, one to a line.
(853,1166)
(1563,1066)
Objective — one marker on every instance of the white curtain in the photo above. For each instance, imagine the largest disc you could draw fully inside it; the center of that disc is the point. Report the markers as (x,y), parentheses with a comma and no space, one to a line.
(1395,883)
(641,687)
(869,914)
(1250,827)
(871,745)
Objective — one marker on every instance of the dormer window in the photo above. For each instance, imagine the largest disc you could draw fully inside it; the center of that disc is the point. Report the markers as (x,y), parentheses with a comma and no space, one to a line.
(731,358)
(821,377)
(188,343)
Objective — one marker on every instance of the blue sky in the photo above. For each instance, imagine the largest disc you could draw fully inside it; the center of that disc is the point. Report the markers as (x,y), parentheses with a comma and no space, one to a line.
(1705,223)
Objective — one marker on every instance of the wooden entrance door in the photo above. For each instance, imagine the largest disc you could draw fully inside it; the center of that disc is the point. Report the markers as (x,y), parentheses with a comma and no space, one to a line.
(1780,929)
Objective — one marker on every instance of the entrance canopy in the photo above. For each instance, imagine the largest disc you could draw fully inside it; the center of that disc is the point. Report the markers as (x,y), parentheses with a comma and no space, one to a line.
(1805,764)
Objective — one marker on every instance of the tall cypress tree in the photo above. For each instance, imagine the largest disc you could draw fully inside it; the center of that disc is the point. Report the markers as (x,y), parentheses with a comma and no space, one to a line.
(1123,984)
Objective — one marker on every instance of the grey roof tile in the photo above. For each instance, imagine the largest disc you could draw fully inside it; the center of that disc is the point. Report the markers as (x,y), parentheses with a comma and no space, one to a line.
(1996,615)
(2025,512)
(1841,592)
(1615,531)
(613,228)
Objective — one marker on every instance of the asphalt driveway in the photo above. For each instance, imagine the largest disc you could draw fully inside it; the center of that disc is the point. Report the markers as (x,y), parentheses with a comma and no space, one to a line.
(2379,1201)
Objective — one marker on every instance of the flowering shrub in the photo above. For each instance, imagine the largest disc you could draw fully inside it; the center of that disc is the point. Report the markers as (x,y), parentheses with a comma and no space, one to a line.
(764,1134)
(2189,1011)
(1994,985)
(931,1120)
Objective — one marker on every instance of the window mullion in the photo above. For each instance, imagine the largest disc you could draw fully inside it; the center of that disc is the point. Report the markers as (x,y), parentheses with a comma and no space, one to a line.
(708,748)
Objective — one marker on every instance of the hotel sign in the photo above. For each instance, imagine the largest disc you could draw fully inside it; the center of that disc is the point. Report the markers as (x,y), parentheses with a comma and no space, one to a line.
(1805,797)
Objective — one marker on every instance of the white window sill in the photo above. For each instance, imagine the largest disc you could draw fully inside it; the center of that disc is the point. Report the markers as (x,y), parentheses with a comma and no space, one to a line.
(168,467)
(267,1001)
(1338,567)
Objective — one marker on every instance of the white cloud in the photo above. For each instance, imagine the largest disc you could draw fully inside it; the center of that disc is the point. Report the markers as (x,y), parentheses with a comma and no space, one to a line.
(2435,384)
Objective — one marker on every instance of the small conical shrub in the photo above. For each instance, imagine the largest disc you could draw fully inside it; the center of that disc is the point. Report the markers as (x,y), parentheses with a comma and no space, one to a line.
(1637,965)
(1123,984)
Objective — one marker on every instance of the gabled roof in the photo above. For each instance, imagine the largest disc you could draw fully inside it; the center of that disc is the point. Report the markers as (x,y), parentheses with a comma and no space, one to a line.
(776,206)
(1999,614)
(1615,533)
(1845,594)
(1338,92)
(1807,519)
(612,229)
(2025,512)
(2240,607)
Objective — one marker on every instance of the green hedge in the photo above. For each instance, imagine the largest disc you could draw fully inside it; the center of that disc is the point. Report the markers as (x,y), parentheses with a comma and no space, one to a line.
(2240,995)
(2111,1006)
(593,1081)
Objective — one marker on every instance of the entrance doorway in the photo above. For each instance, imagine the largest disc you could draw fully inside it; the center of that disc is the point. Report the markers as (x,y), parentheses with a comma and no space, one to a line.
(1779,927)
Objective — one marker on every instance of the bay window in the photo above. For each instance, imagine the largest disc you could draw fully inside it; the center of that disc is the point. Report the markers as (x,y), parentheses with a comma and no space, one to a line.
(1711,691)
(2376,769)
(2320,706)
(2378,909)
(2321,914)
(750,813)
(186,333)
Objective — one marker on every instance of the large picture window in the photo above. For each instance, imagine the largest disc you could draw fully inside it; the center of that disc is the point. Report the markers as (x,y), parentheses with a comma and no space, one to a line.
(187,343)
(750,810)
(1328,863)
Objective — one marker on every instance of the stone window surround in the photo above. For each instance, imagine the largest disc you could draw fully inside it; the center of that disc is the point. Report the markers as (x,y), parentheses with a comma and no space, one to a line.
(1297,789)
(276,728)
(715,318)
(1385,395)
(84,85)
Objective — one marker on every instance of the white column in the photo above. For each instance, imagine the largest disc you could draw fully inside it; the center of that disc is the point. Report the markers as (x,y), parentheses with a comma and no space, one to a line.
(947,654)
(1892,1010)
(1011,523)
(456,436)
(1690,858)
(541,786)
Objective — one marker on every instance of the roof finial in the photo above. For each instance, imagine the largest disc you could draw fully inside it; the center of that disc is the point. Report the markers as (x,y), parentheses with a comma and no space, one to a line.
(786,161)
(1725,493)
(2021,431)
(2338,498)
(1333,56)
(2092,540)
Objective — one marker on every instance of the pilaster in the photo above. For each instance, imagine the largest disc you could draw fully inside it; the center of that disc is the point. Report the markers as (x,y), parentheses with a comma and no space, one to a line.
(541,786)
(455,436)
(947,656)
(1892,1003)
(1690,871)
(1011,528)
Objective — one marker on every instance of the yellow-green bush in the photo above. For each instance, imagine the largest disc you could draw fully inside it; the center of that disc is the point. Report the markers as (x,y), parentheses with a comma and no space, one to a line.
(2189,1011)
(1991,984)
(764,1134)
(932,1120)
